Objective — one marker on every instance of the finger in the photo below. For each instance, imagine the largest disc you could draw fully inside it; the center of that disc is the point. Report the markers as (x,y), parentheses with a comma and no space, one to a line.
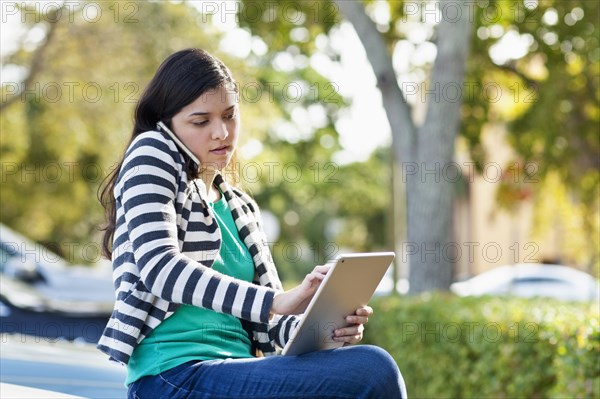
(311,282)
(323,269)
(313,276)
(364,311)
(349,339)
(354,319)
(349,331)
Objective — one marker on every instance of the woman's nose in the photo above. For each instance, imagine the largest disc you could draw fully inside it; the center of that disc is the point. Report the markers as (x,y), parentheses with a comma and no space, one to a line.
(220,131)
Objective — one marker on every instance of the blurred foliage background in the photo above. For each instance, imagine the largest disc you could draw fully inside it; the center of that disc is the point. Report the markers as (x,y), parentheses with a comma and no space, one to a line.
(72,76)
(488,347)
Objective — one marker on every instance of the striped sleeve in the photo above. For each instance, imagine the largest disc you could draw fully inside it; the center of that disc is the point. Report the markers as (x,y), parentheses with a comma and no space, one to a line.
(281,328)
(147,189)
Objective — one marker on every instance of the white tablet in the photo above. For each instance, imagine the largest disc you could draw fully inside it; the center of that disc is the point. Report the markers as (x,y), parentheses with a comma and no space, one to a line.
(348,285)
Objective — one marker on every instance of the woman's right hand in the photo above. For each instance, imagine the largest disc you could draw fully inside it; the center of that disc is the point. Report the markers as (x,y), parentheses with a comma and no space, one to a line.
(296,300)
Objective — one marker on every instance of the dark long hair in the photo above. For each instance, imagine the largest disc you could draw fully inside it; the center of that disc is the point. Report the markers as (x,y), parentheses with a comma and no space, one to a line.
(180,80)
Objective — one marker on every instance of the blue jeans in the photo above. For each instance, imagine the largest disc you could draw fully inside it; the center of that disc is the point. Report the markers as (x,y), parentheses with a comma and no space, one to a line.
(362,371)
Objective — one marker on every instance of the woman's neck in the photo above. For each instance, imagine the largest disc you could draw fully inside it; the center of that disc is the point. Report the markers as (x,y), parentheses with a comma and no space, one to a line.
(208,178)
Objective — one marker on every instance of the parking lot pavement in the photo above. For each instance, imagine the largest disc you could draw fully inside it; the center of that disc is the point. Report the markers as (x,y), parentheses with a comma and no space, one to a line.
(11,391)
(56,353)
(68,367)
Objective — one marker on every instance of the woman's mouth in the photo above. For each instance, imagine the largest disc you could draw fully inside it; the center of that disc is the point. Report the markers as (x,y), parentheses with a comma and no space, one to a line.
(221,150)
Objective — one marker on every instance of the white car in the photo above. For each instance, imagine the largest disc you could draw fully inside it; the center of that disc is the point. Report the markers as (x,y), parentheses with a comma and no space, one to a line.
(532,280)
(35,279)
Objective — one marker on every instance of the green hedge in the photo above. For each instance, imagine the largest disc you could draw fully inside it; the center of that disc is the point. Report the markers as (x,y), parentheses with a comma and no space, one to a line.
(450,347)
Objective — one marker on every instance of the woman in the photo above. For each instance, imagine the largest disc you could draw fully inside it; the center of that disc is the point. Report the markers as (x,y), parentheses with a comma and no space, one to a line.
(198,296)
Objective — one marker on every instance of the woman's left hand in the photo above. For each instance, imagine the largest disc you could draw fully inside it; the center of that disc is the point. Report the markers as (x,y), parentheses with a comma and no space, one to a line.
(354,333)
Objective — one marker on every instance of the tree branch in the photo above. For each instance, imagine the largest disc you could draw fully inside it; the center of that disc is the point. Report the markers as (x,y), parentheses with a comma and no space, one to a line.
(531,83)
(397,109)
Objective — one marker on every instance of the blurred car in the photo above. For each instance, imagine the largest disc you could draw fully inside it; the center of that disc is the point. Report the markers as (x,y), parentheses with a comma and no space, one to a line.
(34,278)
(51,325)
(30,364)
(532,280)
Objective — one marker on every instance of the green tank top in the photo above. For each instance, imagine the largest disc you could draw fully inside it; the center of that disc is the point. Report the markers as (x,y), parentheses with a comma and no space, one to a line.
(194,333)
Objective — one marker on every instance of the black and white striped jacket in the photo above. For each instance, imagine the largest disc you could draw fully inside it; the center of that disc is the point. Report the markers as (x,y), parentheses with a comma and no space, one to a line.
(166,240)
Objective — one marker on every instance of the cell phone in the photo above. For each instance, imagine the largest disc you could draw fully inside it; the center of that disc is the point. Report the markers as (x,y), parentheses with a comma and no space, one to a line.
(161,126)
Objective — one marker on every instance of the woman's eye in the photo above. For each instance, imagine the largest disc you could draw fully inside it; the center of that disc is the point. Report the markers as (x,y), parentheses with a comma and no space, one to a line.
(232,116)
(200,123)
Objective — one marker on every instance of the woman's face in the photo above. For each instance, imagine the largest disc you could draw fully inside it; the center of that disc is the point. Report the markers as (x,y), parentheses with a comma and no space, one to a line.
(209,127)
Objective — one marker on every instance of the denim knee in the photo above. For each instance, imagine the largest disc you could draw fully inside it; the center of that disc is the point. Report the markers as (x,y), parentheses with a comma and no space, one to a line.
(382,371)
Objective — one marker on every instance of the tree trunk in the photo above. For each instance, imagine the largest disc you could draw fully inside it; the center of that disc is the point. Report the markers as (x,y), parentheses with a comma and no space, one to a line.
(430,199)
(424,155)
(398,113)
